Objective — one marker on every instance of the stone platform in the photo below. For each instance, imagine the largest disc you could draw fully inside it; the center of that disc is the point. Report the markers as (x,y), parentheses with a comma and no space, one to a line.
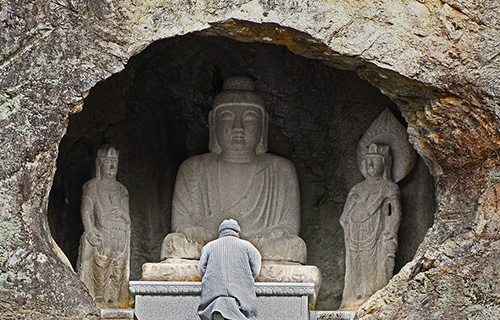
(171,300)
(117,314)
(187,270)
(332,315)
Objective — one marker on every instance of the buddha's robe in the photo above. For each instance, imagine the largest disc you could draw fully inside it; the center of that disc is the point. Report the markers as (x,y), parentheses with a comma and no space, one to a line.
(370,221)
(263,196)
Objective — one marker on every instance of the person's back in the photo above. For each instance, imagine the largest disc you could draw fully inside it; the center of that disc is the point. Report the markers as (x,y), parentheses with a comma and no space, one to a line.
(228,267)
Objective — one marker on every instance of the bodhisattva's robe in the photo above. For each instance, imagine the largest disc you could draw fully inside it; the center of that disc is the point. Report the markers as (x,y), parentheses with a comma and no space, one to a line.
(263,199)
(370,221)
(104,268)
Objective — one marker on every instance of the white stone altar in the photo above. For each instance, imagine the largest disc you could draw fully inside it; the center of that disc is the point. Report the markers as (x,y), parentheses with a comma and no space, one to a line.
(170,300)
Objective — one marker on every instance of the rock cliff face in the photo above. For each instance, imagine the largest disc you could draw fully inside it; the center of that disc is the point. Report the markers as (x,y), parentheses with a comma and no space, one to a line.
(438,61)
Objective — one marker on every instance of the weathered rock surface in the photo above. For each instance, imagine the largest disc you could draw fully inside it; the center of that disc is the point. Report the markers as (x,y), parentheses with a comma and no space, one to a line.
(437,60)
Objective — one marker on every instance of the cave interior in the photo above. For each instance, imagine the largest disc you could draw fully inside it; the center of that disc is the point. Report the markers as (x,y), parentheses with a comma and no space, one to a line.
(155,112)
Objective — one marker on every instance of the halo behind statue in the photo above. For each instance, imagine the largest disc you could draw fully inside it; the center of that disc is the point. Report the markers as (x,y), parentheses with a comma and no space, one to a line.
(386,129)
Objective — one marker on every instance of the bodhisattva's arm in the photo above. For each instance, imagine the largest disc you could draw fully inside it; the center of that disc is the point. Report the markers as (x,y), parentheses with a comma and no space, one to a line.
(350,202)
(125,205)
(87,214)
(393,218)
(390,234)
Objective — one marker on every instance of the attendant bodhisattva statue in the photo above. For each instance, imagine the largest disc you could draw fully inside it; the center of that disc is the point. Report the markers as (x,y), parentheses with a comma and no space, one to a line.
(372,212)
(103,263)
(370,220)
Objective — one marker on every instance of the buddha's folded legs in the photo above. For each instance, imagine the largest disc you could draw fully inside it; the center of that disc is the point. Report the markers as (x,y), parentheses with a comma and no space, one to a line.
(175,246)
(282,249)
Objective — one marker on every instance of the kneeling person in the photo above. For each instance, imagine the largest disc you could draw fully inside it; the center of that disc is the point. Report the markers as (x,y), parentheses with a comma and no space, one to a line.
(228,267)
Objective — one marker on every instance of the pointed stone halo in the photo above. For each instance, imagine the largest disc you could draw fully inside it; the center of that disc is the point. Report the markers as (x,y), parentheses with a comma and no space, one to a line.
(386,129)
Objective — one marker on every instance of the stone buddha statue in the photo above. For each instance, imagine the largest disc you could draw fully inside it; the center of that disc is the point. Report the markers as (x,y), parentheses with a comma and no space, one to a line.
(237,179)
(103,261)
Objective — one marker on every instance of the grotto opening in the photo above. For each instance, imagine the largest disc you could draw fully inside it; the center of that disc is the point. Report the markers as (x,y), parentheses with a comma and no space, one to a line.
(155,112)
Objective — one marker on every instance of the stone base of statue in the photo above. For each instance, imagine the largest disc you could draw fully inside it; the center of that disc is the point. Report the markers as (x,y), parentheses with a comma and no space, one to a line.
(117,314)
(171,300)
(332,315)
(187,270)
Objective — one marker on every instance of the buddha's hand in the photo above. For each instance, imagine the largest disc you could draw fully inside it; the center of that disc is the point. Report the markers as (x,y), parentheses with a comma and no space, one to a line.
(197,234)
(272,233)
(93,237)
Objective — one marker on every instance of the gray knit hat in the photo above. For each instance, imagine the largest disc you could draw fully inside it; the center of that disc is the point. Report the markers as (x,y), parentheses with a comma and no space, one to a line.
(230,224)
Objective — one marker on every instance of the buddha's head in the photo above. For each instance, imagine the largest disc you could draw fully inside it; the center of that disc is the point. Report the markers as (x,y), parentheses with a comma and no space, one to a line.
(106,163)
(378,161)
(238,120)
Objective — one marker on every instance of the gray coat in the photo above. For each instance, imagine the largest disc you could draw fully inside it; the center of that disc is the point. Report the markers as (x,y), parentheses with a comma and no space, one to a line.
(228,267)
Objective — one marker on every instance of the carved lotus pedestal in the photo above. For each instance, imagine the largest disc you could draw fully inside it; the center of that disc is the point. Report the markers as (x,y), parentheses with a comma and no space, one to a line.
(172,287)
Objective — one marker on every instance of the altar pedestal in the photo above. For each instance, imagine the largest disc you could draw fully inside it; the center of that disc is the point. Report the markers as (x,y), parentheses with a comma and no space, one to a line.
(184,270)
(169,300)
(332,315)
(117,314)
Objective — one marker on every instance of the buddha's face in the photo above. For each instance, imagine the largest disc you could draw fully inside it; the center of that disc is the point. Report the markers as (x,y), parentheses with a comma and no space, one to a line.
(109,168)
(238,128)
(375,166)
